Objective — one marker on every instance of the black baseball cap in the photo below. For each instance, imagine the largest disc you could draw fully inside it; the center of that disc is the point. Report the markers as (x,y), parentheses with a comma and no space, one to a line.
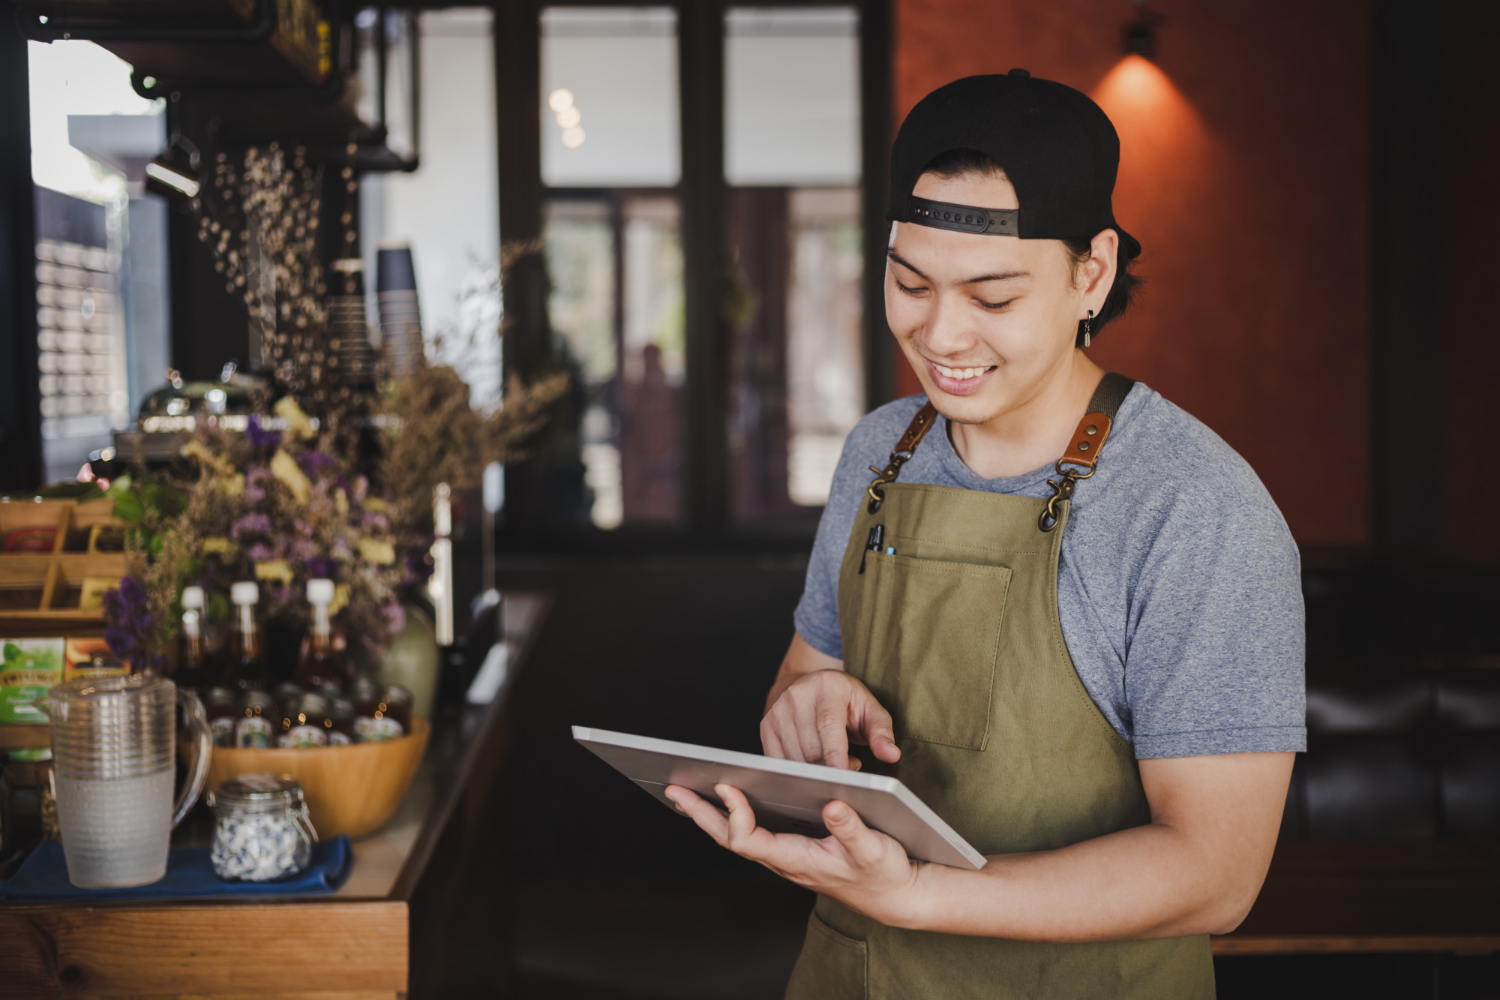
(1058,148)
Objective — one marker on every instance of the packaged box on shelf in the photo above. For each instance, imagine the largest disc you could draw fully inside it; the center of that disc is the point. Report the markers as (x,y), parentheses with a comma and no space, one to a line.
(28,668)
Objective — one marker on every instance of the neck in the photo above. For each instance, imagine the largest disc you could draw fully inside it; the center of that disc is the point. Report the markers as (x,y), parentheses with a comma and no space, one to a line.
(1035,428)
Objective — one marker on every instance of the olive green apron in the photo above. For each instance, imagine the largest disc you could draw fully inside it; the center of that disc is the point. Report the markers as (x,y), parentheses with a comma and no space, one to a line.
(949,615)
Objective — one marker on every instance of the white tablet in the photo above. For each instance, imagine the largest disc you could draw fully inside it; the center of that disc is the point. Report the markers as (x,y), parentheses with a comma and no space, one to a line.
(788,796)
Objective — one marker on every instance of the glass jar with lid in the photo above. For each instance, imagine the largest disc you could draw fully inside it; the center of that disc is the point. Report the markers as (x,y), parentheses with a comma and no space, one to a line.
(262,830)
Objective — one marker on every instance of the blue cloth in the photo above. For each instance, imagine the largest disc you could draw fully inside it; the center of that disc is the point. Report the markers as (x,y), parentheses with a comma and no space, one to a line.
(44,876)
(1179,586)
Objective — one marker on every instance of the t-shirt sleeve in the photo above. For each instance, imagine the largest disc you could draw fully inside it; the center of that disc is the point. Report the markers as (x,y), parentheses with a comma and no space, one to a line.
(1217,641)
(817,616)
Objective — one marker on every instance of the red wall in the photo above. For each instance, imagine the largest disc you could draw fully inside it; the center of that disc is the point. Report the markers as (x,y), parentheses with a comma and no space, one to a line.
(1245,173)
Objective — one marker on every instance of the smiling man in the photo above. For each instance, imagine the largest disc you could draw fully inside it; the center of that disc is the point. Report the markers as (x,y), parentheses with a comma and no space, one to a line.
(1063,612)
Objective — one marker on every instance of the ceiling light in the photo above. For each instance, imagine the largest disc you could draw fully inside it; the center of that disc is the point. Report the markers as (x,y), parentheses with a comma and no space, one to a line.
(560,100)
(572,138)
(569,117)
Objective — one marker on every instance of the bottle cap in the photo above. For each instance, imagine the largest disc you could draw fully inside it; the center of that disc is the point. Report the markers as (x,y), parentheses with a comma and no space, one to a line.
(244,592)
(320,591)
(192,597)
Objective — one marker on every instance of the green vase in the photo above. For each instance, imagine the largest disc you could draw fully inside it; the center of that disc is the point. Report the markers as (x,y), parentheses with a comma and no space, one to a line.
(412,660)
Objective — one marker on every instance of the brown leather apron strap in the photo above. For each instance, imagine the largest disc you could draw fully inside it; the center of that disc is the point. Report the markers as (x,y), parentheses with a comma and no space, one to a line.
(915,431)
(1088,441)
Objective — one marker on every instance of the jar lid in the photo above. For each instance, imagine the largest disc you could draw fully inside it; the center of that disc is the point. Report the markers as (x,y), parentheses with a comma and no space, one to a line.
(262,788)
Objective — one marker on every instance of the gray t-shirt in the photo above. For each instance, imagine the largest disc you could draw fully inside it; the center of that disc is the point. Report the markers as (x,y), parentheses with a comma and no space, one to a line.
(1179,584)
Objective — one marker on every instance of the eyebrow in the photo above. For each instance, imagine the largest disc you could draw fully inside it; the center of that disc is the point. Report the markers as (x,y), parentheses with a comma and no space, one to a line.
(977,279)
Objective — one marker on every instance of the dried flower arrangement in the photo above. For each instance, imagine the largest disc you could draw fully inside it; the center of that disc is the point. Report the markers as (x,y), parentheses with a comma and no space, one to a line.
(294,497)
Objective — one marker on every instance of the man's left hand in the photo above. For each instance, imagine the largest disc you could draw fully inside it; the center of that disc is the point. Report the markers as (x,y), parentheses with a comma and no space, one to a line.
(862,868)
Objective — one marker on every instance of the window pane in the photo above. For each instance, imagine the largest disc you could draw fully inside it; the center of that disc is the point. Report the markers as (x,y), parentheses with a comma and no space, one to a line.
(614,249)
(447,210)
(609,80)
(792,160)
(101,249)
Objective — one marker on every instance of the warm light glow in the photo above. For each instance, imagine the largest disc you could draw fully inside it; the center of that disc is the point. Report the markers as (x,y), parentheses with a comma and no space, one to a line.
(569,117)
(573,138)
(1167,152)
(560,100)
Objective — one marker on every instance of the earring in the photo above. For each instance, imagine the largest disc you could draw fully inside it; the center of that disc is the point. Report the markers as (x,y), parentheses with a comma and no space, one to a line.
(1088,333)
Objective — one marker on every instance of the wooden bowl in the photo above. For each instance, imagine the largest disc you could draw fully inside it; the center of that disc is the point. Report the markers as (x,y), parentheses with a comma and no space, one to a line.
(352,789)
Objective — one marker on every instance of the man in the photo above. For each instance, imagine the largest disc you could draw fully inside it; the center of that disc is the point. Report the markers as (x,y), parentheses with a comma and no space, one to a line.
(1069,618)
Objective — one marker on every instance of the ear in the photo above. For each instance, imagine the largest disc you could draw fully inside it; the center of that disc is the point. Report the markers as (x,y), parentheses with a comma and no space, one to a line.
(1098,272)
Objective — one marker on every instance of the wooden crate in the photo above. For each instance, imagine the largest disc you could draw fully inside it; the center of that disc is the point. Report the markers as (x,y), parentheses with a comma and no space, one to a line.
(40,592)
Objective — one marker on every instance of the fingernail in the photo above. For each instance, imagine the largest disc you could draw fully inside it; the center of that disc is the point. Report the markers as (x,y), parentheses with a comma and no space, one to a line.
(839,813)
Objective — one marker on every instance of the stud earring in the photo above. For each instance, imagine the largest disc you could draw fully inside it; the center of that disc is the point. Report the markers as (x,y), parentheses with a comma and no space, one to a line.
(1088,331)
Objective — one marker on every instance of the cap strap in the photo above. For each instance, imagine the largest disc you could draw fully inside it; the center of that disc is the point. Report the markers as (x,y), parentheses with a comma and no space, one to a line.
(963,218)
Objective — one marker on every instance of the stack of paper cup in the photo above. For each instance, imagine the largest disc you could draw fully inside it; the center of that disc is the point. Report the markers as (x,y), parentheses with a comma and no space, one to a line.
(400,317)
(352,356)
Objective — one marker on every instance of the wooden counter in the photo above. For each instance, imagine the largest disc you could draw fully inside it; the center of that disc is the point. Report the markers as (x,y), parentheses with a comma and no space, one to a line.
(417,889)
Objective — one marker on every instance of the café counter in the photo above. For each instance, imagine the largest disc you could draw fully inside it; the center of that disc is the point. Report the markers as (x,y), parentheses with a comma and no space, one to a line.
(411,918)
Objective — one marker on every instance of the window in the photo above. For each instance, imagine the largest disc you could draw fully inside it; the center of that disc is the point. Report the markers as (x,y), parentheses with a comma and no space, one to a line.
(697,177)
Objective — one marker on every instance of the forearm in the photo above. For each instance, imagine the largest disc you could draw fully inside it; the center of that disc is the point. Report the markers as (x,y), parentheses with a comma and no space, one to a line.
(1147,882)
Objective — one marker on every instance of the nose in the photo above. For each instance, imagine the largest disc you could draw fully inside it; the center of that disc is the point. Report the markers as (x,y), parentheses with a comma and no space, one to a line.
(947,333)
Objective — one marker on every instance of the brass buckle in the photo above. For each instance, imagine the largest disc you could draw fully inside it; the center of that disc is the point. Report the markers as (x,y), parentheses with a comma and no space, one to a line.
(884,477)
(1047,519)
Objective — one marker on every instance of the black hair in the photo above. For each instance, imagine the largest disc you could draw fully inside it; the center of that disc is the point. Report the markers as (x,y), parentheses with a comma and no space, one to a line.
(957,162)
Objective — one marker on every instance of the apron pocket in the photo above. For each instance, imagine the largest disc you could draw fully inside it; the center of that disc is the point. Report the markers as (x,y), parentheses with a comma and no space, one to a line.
(831,966)
(931,643)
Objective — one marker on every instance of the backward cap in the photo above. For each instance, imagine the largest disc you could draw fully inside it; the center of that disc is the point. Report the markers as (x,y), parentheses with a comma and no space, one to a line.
(1058,148)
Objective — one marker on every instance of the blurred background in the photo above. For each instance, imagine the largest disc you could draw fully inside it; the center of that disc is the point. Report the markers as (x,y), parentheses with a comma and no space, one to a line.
(682,206)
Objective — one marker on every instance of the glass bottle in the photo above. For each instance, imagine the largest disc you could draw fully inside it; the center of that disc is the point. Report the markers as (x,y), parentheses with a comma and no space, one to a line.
(321,662)
(192,662)
(256,725)
(341,719)
(287,694)
(245,667)
(388,718)
(308,726)
(219,705)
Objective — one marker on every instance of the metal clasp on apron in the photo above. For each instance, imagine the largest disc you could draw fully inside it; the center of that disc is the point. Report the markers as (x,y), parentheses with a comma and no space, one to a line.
(884,477)
(1047,520)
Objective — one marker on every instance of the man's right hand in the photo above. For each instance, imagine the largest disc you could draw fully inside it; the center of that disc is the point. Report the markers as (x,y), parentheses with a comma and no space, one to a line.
(819,714)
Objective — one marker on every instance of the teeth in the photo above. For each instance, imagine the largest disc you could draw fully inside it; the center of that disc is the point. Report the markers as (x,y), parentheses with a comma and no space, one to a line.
(959,373)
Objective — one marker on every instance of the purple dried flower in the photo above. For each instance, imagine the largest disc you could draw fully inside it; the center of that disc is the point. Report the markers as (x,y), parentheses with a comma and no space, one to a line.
(251,524)
(127,614)
(259,436)
(313,462)
(374,519)
(260,552)
(320,567)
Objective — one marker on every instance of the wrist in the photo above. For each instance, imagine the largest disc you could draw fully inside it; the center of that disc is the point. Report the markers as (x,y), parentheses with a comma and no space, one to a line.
(918,901)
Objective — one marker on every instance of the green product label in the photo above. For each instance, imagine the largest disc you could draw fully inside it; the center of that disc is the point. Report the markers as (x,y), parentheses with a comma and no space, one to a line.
(28,668)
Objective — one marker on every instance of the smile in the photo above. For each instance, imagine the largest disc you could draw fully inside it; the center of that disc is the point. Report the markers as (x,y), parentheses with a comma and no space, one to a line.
(961,374)
(959,381)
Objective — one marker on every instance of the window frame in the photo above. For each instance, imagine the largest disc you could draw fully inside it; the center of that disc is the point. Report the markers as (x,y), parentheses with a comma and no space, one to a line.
(702,191)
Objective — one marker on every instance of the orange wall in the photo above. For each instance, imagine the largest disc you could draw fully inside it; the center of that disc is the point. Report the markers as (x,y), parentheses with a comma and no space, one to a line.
(1245,173)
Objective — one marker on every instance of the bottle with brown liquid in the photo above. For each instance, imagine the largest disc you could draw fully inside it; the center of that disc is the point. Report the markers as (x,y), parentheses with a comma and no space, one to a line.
(308,726)
(321,663)
(245,665)
(193,673)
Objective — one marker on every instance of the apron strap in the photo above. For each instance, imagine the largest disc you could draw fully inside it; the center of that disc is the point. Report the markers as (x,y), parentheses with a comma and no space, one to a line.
(1088,442)
(915,432)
